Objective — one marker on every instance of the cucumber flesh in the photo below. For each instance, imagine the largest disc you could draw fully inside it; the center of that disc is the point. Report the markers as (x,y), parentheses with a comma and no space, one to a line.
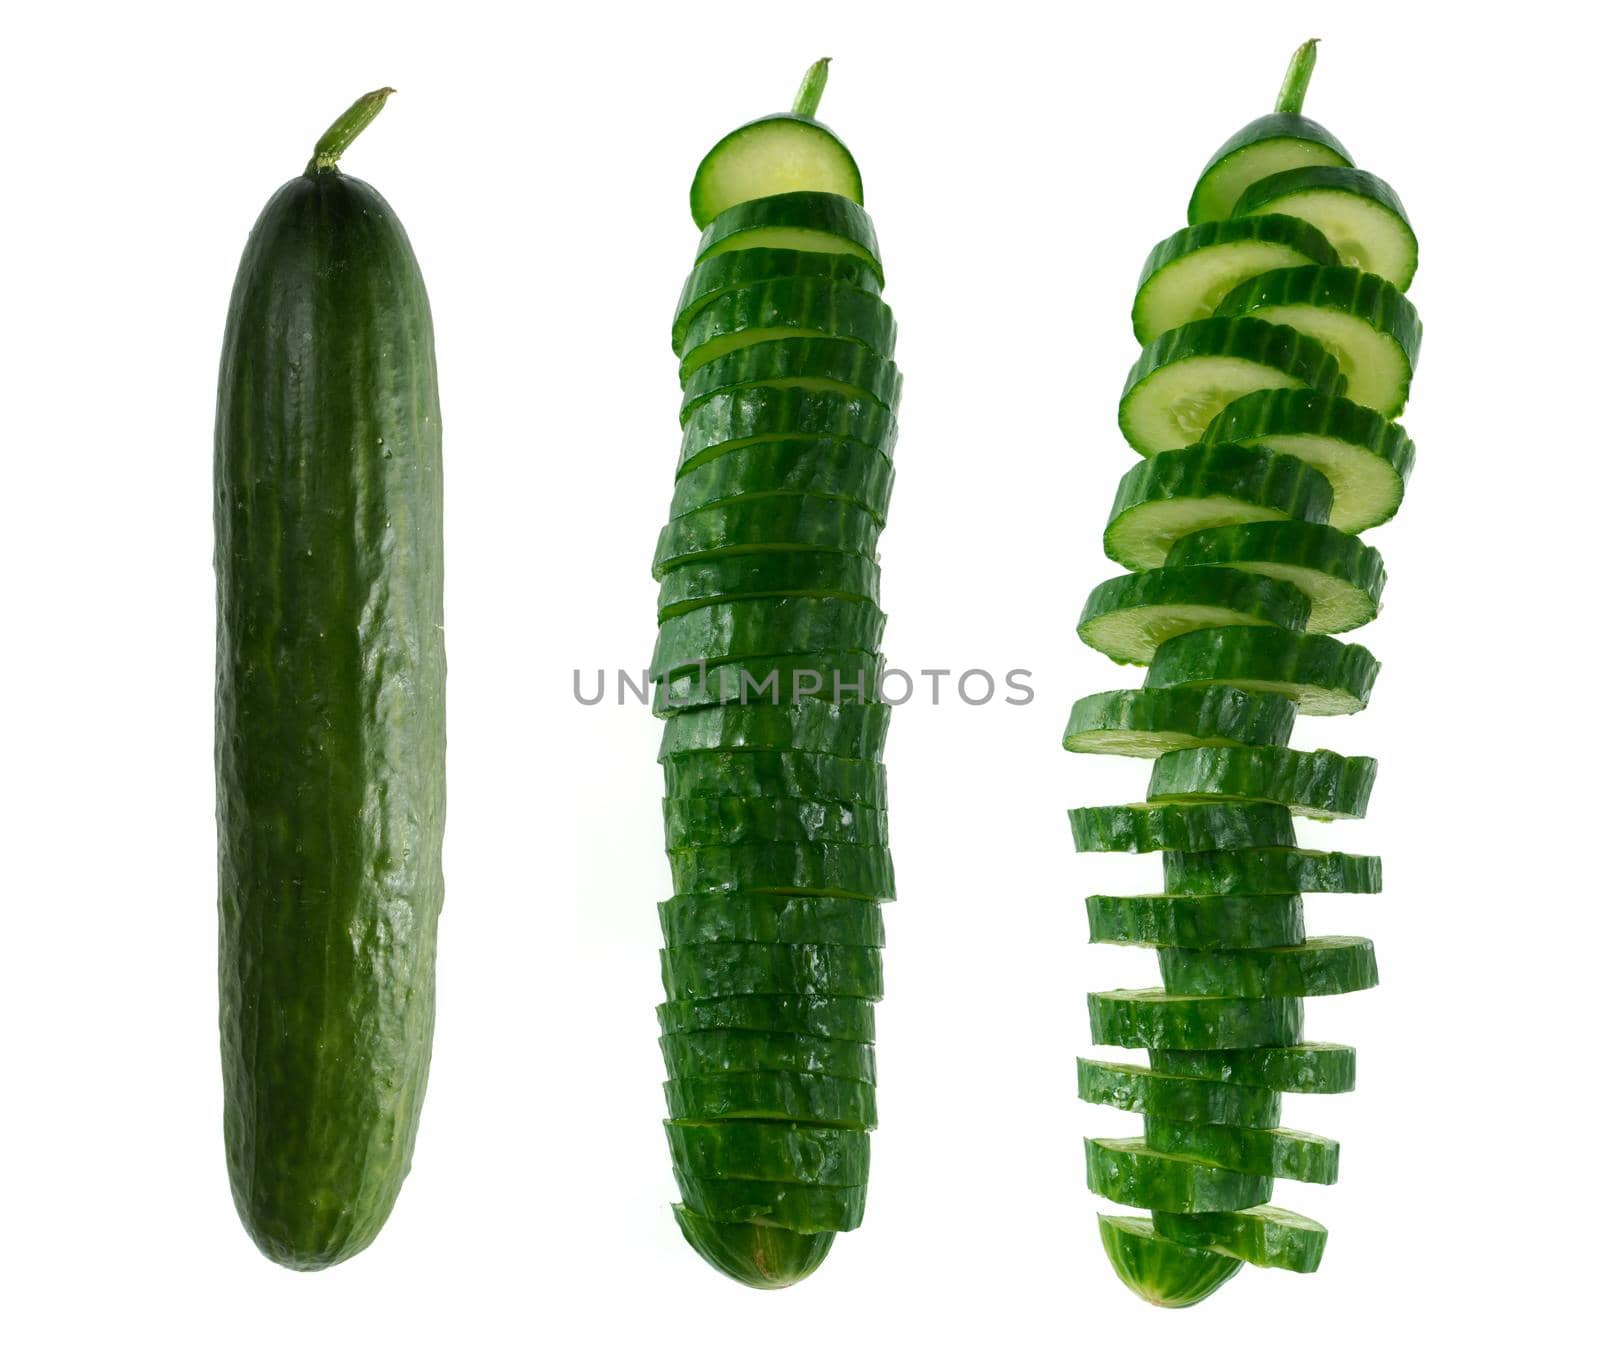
(1159,1271)
(1196,921)
(1354,210)
(1145,722)
(802,220)
(774,155)
(1264,1236)
(754,1254)
(1127,618)
(1283,1153)
(1276,142)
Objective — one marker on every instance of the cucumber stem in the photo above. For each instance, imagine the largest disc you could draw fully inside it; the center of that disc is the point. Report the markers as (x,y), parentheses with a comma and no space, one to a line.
(346,129)
(1298,77)
(811,88)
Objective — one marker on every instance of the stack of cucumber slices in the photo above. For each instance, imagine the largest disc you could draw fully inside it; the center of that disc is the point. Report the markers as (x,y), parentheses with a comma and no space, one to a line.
(1279,347)
(766,670)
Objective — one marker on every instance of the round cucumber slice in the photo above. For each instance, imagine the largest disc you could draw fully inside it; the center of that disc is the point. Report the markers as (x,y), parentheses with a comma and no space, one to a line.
(827,1016)
(1156,1019)
(1177,492)
(1366,458)
(775,1095)
(1196,921)
(1283,1153)
(702,821)
(786,308)
(1127,1171)
(1333,965)
(1341,577)
(802,220)
(790,869)
(1142,1091)
(1303,1068)
(1184,377)
(717,917)
(760,774)
(1127,618)
(756,1255)
(1156,828)
(1367,325)
(716,275)
(711,971)
(741,1150)
(1264,1236)
(1271,872)
(774,1203)
(1162,1272)
(1145,723)
(1186,276)
(815,364)
(778,523)
(812,725)
(710,1052)
(1354,210)
(743,630)
(1323,676)
(750,416)
(773,679)
(815,573)
(1316,783)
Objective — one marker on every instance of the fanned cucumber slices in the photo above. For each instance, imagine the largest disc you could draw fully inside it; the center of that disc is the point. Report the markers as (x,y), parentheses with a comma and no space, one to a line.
(766,664)
(1277,347)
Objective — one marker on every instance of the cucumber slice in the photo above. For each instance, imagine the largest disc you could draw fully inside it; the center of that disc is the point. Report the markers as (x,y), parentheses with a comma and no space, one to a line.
(802,1153)
(706,820)
(1316,783)
(1178,492)
(1354,210)
(813,725)
(774,155)
(1342,577)
(1127,1171)
(1283,1153)
(742,630)
(815,573)
(1282,139)
(790,869)
(774,1203)
(1196,921)
(776,1095)
(827,1016)
(751,416)
(773,679)
(803,220)
(1126,618)
(1142,1091)
(1184,377)
(1265,1236)
(711,971)
(813,363)
(1159,1271)
(1155,1019)
(1366,458)
(760,774)
(710,1052)
(1185,277)
(721,918)
(779,523)
(1323,676)
(1319,966)
(1304,1068)
(758,1256)
(1271,872)
(1360,319)
(1142,723)
(1155,828)
(716,275)
(786,308)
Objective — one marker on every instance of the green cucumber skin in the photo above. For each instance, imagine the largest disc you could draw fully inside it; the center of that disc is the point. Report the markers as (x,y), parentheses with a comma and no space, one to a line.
(767,412)
(1271,872)
(755,1254)
(1157,1020)
(712,1052)
(1317,783)
(1126,1171)
(1206,203)
(759,918)
(1206,922)
(701,197)
(735,269)
(1141,1091)
(774,1203)
(803,1153)
(826,1016)
(852,730)
(1227,593)
(812,210)
(1185,717)
(826,468)
(1159,1271)
(822,308)
(1319,966)
(1260,196)
(1281,1153)
(1302,1069)
(330,789)
(724,632)
(1188,828)
(804,868)
(796,362)
(1264,1236)
(820,573)
(772,679)
(703,821)
(1270,658)
(762,773)
(776,1095)
(714,971)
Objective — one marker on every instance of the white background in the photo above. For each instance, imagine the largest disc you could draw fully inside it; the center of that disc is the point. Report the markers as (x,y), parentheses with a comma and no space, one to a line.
(1019,161)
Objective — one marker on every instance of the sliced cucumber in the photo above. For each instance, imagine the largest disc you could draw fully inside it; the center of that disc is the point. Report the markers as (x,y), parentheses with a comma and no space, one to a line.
(1127,1171)
(712,1051)
(1362,320)
(745,630)
(815,573)
(813,725)
(700,821)
(806,1154)
(774,1203)
(827,1016)
(1333,965)
(1304,1068)
(816,364)
(1283,1153)
(716,275)
(1264,1236)
(720,918)
(1181,491)
(1155,828)
(782,309)
(1366,458)
(1184,377)
(1271,872)
(1323,676)
(776,1095)
(1144,723)
(1155,1019)
(710,971)
(1316,783)
(750,416)
(773,679)
(1142,1091)
(804,220)
(1161,1272)
(1196,921)
(775,155)
(1354,210)
(1185,277)
(762,1257)
(1342,578)
(760,774)
(1127,618)
(790,869)
(778,523)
